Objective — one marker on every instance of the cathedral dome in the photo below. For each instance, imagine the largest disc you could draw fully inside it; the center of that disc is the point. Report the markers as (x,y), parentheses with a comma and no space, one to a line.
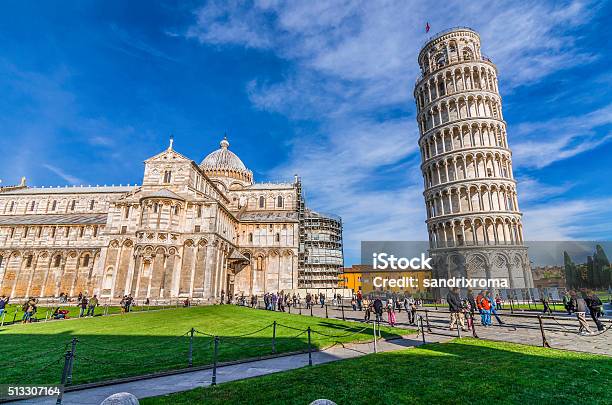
(225,163)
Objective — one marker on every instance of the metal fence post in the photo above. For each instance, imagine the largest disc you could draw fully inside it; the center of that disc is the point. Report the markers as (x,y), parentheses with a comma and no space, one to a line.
(375,337)
(342,306)
(326,315)
(309,348)
(427,321)
(311,309)
(71,366)
(274,337)
(67,358)
(215,353)
(422,331)
(300,307)
(190,358)
(544,341)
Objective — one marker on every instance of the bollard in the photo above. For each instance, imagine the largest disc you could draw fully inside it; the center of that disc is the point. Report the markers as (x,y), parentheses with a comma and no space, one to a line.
(71,365)
(342,306)
(300,307)
(511,308)
(473,326)
(427,320)
(190,358)
(436,304)
(309,348)
(274,337)
(422,330)
(289,308)
(326,311)
(215,353)
(375,340)
(544,341)
(67,358)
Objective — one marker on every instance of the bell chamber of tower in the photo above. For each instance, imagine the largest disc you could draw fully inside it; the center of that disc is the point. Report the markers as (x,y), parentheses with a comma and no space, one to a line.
(473,218)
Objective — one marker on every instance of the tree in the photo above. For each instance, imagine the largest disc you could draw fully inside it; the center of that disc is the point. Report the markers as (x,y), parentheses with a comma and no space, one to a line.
(570,271)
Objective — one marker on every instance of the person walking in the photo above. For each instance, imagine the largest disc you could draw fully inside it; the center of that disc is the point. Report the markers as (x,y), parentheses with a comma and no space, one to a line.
(493,308)
(455,308)
(566,302)
(359,300)
(594,304)
(486,309)
(93,303)
(498,302)
(378,309)
(391,314)
(83,304)
(222,297)
(545,303)
(3,303)
(412,312)
(322,299)
(581,308)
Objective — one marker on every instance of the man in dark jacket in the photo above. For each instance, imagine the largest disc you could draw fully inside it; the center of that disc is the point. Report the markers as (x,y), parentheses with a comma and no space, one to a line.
(455,308)
(581,308)
(594,304)
(378,309)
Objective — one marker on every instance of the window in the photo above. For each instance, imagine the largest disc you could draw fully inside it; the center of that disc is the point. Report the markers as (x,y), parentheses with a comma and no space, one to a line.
(127,212)
(489,173)
(12,206)
(81,231)
(278,237)
(199,211)
(467,54)
(176,210)
(25,232)
(72,205)
(53,232)
(250,237)
(85,261)
(167,176)
(197,229)
(95,231)
(53,205)
(12,232)
(123,230)
(66,232)
(1,257)
(57,261)
(32,205)
(91,204)
(279,202)
(155,208)
(39,232)
(262,202)
(29,261)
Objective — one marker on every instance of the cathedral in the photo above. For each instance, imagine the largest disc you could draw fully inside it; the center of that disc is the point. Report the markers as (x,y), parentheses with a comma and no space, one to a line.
(189,231)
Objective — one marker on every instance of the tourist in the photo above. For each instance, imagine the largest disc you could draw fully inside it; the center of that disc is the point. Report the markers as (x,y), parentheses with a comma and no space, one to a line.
(308,300)
(479,306)
(581,308)
(391,314)
(412,312)
(29,310)
(3,303)
(498,302)
(493,310)
(322,299)
(594,304)
(545,303)
(83,305)
(485,307)
(467,313)
(281,306)
(122,304)
(378,309)
(222,297)
(79,298)
(454,306)
(273,302)
(129,303)
(368,313)
(354,304)
(93,303)
(359,300)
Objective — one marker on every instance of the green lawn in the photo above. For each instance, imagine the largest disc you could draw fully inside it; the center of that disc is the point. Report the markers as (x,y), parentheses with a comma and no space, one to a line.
(463,371)
(14,311)
(144,342)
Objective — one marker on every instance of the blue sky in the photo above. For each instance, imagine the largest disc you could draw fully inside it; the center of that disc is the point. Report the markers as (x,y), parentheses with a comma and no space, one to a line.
(88,90)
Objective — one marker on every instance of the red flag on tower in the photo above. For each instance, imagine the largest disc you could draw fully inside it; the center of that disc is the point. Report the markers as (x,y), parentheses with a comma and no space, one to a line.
(427,27)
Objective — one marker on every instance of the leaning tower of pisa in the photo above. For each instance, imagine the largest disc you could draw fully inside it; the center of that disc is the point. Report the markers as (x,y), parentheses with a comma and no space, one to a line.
(473,218)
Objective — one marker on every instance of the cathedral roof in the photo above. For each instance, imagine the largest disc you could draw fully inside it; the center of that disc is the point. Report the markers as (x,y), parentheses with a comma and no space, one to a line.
(55,219)
(223,159)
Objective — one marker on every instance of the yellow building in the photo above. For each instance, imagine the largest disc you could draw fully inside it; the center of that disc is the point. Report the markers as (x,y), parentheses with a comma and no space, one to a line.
(351,277)
(363,278)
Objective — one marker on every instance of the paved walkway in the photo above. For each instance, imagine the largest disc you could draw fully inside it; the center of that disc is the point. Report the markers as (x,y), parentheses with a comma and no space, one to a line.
(190,380)
(522,327)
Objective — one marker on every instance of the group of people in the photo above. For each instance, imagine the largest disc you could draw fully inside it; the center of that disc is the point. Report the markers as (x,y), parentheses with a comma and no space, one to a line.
(463,309)
(87,305)
(126,303)
(579,303)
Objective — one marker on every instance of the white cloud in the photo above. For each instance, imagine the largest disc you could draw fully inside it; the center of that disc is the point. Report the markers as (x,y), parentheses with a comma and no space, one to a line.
(353,69)
(63,175)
